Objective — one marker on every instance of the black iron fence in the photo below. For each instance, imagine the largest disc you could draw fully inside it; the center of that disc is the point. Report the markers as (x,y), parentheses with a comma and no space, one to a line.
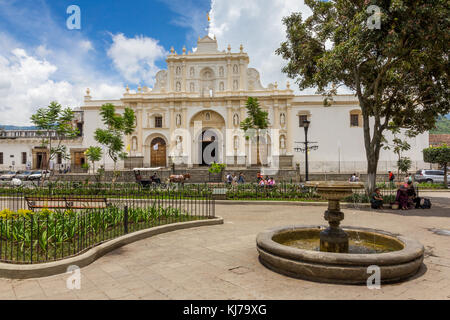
(40,225)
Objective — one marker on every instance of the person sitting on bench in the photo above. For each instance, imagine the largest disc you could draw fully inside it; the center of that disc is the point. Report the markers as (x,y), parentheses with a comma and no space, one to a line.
(412,196)
(376,200)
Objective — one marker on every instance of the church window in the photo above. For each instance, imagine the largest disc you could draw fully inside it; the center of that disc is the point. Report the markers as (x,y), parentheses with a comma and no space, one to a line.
(301,119)
(158,122)
(355,118)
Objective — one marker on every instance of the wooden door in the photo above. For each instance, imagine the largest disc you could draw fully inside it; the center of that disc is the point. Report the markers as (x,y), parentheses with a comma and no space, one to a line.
(158,153)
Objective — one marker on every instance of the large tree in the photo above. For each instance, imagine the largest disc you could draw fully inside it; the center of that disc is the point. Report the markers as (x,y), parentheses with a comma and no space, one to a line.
(255,124)
(54,126)
(116,126)
(394,57)
(439,155)
(94,154)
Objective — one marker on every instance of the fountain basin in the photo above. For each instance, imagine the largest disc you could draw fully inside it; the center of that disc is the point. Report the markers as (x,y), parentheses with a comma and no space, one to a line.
(398,257)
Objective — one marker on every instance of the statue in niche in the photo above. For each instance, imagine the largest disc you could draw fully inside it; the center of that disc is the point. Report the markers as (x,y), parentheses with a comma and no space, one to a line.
(221,86)
(192,72)
(235,85)
(178,71)
(192,87)
(221,71)
(282,143)
(179,145)
(236,119)
(178,87)
(207,116)
(282,119)
(178,120)
(235,69)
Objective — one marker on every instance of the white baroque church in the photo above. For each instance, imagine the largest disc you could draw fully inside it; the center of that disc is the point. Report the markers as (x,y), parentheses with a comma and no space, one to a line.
(192,117)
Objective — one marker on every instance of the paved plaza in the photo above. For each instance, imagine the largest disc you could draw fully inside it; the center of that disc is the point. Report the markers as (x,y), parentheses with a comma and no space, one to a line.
(221,262)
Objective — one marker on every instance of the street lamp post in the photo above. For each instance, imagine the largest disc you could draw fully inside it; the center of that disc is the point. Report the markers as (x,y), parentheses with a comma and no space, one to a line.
(306,127)
(309,145)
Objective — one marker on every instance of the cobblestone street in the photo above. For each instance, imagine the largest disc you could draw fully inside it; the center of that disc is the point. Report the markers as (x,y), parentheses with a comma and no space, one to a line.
(221,262)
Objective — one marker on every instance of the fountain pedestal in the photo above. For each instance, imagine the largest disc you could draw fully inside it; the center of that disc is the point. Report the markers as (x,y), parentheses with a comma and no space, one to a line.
(278,250)
(333,238)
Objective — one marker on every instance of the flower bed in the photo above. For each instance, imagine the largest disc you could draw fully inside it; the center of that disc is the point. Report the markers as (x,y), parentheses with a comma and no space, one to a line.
(30,237)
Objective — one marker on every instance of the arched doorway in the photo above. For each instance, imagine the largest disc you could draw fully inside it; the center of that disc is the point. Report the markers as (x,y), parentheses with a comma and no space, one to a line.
(158,152)
(208,129)
(209,147)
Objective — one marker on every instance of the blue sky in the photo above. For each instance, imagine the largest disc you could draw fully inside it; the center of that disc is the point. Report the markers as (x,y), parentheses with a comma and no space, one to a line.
(123,43)
(120,43)
(37,22)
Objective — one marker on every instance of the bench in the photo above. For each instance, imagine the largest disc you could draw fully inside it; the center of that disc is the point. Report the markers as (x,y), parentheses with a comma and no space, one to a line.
(65,202)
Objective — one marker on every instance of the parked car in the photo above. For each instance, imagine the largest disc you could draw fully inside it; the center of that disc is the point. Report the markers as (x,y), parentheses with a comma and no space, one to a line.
(23,175)
(36,175)
(431,176)
(8,175)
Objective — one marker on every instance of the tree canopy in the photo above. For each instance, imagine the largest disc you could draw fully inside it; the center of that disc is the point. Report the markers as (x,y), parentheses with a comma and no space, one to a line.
(94,154)
(397,67)
(439,155)
(54,125)
(256,123)
(116,126)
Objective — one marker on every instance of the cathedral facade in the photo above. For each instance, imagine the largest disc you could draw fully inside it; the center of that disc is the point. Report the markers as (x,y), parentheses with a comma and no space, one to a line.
(191,117)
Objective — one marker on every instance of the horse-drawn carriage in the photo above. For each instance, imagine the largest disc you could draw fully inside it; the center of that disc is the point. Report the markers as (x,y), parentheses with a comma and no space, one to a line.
(152,180)
(155,180)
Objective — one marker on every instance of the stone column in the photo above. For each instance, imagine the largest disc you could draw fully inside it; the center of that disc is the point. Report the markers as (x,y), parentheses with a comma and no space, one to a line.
(184,82)
(229,75)
(229,136)
(140,145)
(172,126)
(276,115)
(289,129)
(171,77)
(187,141)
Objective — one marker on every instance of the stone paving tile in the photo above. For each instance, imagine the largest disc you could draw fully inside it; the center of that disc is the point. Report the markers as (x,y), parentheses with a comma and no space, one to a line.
(93,294)
(27,288)
(196,263)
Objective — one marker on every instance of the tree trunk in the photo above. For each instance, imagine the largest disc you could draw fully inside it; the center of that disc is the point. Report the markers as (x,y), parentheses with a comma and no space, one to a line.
(258,162)
(371,175)
(373,148)
(445,176)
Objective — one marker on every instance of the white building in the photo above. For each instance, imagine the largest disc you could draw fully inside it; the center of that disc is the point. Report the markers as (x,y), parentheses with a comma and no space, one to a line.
(192,115)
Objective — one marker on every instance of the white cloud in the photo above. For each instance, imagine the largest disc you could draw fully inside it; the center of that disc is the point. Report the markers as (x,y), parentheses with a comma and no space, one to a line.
(257,24)
(26,84)
(58,65)
(135,58)
(86,45)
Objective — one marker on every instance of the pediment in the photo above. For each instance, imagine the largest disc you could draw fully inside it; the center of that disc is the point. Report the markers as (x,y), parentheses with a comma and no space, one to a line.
(207,45)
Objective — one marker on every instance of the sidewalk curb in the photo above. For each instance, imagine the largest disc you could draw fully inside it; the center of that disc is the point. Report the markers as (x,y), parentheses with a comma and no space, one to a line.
(26,271)
(290,203)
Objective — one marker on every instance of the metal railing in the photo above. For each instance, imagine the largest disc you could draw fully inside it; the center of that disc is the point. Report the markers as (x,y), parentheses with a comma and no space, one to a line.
(48,224)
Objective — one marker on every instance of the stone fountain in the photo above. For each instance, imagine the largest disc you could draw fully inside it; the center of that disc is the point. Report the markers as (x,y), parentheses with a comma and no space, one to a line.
(333,238)
(334,254)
